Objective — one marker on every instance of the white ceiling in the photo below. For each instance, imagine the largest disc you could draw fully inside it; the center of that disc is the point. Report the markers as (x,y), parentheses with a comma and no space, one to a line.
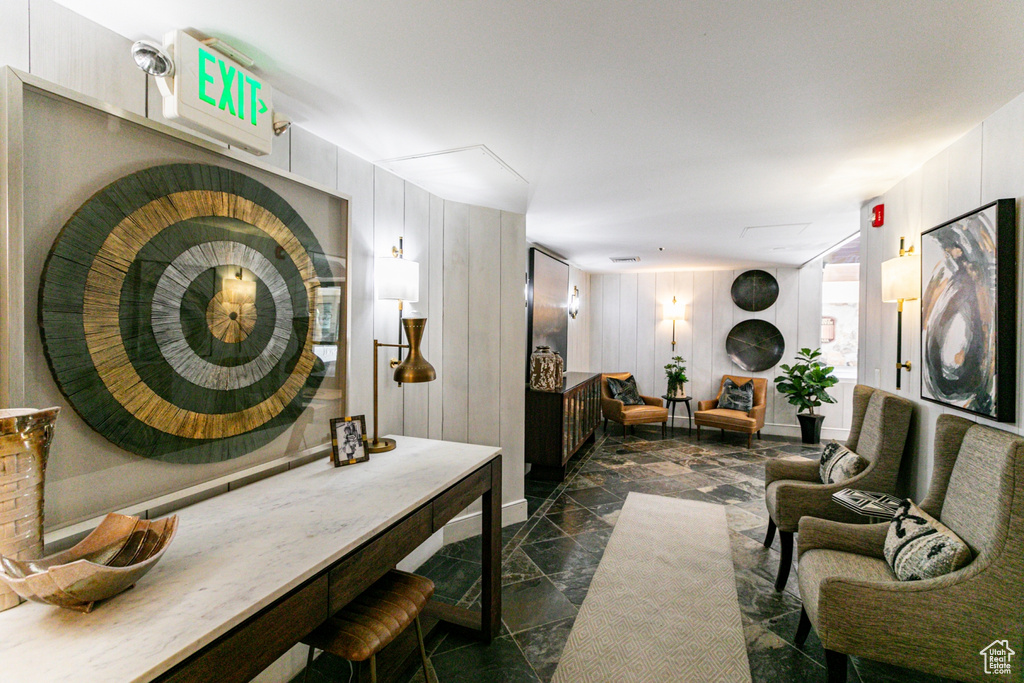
(636,125)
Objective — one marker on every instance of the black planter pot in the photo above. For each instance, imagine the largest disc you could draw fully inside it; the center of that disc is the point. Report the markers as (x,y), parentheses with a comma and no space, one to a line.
(810,427)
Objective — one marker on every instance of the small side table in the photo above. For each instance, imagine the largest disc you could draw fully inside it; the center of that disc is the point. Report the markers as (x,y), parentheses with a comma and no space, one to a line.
(672,401)
(878,507)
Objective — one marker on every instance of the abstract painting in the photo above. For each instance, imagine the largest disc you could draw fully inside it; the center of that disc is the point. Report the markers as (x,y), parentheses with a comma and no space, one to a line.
(968,312)
(177,313)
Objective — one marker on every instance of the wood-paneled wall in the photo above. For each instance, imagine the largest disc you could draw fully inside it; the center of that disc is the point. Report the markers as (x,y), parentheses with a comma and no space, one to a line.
(629,333)
(984,165)
(472,259)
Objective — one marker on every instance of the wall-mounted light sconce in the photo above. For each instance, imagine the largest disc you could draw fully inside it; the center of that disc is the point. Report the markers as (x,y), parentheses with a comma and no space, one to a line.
(398,279)
(413,369)
(901,281)
(574,302)
(676,311)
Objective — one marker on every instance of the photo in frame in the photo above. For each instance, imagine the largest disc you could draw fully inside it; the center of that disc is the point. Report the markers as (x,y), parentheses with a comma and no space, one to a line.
(348,440)
(968,312)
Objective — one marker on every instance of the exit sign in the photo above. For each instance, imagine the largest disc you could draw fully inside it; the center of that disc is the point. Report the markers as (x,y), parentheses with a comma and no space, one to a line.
(217,96)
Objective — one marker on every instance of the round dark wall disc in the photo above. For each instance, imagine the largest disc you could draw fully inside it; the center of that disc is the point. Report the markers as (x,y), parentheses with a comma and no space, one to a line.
(755,290)
(755,345)
(176,313)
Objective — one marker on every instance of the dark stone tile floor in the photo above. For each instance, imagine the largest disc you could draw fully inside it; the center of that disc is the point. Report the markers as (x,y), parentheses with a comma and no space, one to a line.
(549,560)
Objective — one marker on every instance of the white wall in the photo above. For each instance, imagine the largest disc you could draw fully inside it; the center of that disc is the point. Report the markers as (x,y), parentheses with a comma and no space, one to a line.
(628,333)
(985,164)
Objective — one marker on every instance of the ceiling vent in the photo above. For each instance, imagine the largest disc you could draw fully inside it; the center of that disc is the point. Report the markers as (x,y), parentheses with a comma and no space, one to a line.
(791,230)
(625,259)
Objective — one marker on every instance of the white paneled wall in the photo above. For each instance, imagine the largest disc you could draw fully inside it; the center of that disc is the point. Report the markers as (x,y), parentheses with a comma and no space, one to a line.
(578,353)
(629,333)
(471,259)
(984,165)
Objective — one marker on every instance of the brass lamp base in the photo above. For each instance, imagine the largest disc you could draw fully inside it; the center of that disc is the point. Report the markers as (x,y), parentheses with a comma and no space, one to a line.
(381,446)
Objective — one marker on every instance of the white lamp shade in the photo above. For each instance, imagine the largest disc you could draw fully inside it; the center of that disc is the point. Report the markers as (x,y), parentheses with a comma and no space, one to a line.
(901,278)
(398,279)
(677,311)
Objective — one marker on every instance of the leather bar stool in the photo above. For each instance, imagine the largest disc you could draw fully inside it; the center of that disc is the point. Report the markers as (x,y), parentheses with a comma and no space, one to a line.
(370,622)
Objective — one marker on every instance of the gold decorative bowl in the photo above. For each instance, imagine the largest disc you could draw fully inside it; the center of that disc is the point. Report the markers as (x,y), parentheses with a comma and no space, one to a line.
(109,560)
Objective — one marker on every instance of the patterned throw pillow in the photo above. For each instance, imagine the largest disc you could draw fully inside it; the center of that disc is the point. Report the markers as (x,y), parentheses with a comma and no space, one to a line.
(839,464)
(918,546)
(625,390)
(737,397)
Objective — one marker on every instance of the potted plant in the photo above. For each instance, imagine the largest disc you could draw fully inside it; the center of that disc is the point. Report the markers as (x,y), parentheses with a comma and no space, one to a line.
(805,385)
(677,379)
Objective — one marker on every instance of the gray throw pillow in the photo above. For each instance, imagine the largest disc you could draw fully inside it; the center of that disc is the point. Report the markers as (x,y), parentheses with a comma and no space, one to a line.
(737,396)
(625,390)
(918,546)
(838,464)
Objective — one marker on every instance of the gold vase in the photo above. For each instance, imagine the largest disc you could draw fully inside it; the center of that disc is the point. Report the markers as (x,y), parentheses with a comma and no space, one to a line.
(25,437)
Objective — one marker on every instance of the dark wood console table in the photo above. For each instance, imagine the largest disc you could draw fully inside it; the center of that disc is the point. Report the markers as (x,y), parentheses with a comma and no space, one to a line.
(558,423)
(252,571)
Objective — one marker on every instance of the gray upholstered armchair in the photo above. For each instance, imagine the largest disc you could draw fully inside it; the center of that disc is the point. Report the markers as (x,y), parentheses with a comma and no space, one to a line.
(793,489)
(939,625)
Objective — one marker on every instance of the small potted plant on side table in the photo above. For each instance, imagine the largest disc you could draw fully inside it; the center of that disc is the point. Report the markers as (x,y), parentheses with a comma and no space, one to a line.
(805,385)
(677,379)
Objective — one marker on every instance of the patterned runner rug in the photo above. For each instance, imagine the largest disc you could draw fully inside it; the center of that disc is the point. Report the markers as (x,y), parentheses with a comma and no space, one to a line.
(662,605)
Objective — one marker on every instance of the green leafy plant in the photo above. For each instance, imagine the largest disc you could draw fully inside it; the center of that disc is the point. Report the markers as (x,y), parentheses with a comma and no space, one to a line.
(676,374)
(805,383)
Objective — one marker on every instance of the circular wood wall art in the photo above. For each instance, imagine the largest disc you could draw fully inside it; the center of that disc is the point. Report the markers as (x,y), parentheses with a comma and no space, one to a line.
(755,345)
(175,309)
(755,290)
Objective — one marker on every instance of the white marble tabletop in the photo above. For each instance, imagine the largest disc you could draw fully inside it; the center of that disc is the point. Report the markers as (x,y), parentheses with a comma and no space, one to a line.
(233,556)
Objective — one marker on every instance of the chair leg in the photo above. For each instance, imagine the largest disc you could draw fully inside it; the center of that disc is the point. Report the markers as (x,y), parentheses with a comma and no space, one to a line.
(423,651)
(758,434)
(606,425)
(309,664)
(373,668)
(663,425)
(723,435)
(750,441)
(835,666)
(698,432)
(770,536)
(803,628)
(786,539)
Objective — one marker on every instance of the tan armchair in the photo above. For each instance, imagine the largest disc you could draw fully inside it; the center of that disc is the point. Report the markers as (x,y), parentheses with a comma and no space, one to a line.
(793,489)
(710,415)
(940,625)
(652,411)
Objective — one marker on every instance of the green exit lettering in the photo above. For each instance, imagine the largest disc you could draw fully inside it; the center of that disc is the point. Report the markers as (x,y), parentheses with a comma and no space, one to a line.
(237,89)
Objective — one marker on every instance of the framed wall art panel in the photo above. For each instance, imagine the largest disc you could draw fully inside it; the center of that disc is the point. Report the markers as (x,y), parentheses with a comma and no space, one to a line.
(969,312)
(185,302)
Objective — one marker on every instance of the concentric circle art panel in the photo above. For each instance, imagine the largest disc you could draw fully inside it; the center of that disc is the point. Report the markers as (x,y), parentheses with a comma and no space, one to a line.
(175,309)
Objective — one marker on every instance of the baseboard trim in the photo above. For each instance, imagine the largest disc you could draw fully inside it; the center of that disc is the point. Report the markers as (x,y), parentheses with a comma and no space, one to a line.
(775,429)
(468,525)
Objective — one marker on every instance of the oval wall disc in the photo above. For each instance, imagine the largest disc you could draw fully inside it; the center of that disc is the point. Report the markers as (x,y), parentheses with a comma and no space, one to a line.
(755,345)
(175,308)
(755,290)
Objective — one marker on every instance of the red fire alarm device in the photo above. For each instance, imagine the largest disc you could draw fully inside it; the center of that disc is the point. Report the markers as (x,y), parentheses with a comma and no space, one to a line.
(878,216)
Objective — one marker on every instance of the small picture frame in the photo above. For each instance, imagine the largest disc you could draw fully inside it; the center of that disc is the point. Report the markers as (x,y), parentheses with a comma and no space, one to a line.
(348,440)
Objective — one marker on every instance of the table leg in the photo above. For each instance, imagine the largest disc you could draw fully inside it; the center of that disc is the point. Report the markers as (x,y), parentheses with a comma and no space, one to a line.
(490,585)
(673,404)
(689,424)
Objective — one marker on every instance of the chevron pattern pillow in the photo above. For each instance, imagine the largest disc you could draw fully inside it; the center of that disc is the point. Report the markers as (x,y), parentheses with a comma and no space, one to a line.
(625,390)
(737,396)
(839,464)
(918,546)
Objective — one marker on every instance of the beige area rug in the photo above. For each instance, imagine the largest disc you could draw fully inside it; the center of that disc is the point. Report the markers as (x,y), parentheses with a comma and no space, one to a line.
(662,605)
